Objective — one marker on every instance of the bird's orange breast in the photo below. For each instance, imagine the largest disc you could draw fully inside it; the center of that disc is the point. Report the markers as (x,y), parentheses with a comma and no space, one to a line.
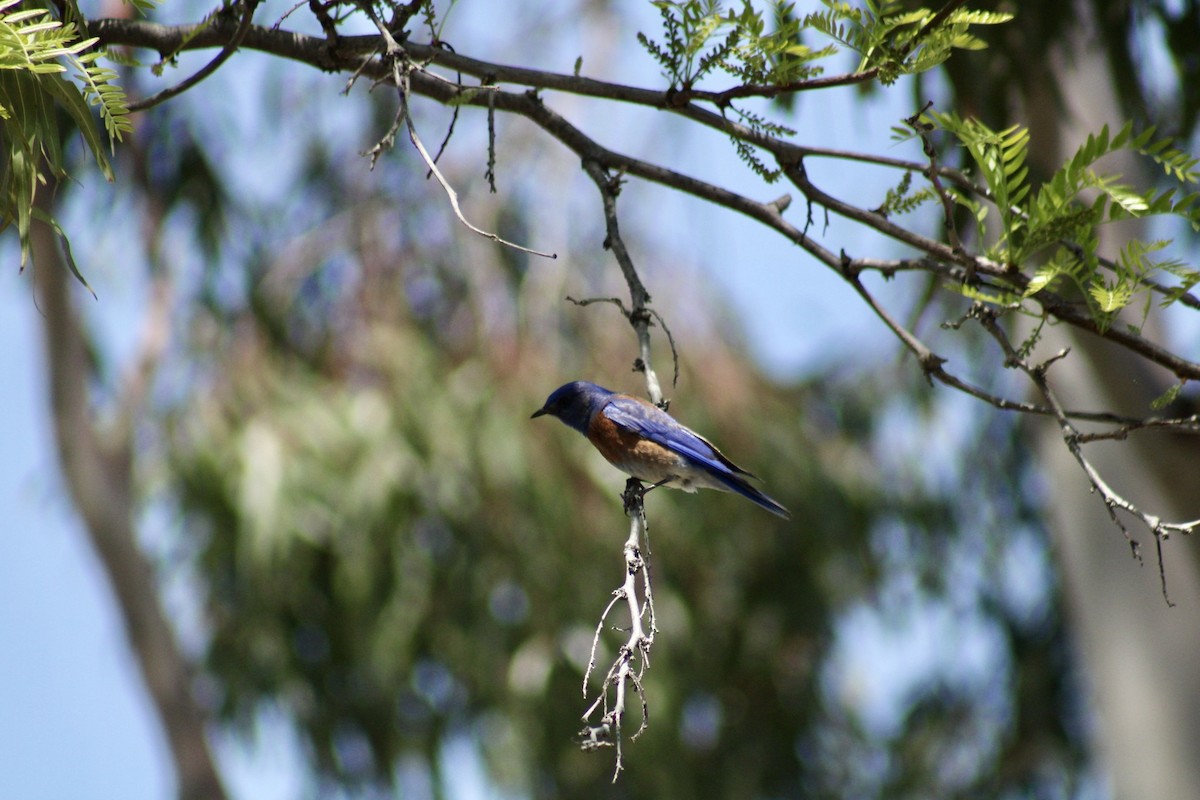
(630,452)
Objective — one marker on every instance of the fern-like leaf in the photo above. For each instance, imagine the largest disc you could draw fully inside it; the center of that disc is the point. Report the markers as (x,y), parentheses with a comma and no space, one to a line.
(35,53)
(100,89)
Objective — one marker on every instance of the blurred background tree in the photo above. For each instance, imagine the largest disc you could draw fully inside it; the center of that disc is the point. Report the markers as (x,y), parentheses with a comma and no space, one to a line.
(328,410)
(1068,70)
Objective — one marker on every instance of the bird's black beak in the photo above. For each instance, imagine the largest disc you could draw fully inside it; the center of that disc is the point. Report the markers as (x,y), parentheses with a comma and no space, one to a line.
(540,412)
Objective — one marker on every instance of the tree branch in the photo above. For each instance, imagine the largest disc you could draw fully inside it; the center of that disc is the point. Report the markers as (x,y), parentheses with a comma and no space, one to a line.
(639,298)
(621,675)
(351,51)
(1113,502)
(208,69)
(354,53)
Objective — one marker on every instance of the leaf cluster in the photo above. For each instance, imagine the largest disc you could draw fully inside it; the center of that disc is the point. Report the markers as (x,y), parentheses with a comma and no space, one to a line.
(776,56)
(901,199)
(747,153)
(1059,221)
(700,37)
(46,68)
(687,52)
(765,49)
(894,40)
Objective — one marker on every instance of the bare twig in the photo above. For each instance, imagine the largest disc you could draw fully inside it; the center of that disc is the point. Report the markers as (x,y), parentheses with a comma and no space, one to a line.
(587,301)
(639,313)
(1113,502)
(401,70)
(642,629)
(490,173)
(924,130)
(618,594)
(453,196)
(621,675)
(1189,424)
(449,131)
(248,7)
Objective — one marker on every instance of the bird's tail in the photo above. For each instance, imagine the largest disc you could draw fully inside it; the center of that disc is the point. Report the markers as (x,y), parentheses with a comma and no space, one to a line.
(738,484)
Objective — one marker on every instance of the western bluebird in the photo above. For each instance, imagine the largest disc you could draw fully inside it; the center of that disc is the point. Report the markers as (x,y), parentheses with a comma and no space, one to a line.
(644,441)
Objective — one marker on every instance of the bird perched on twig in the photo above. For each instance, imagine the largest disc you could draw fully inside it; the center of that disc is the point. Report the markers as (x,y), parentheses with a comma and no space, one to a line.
(646,442)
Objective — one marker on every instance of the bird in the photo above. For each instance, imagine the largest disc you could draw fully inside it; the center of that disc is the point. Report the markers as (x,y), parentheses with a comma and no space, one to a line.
(646,442)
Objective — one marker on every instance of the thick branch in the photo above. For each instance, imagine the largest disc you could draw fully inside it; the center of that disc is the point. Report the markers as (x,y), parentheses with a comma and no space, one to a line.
(1054,305)
(349,52)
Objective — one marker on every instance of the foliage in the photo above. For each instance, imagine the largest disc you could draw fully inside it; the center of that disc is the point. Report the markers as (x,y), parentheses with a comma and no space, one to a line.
(901,199)
(700,38)
(34,86)
(892,40)
(1063,217)
(748,51)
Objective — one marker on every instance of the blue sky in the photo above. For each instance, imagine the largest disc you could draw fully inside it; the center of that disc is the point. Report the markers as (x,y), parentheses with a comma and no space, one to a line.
(75,719)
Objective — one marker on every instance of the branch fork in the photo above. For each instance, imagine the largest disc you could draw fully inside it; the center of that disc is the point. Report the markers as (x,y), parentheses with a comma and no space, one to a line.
(1113,502)
(623,675)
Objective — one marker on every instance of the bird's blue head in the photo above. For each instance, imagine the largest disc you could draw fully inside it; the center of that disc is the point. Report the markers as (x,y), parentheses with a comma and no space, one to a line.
(574,403)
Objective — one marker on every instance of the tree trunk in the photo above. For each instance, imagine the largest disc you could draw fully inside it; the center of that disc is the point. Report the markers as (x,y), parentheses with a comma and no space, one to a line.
(97,466)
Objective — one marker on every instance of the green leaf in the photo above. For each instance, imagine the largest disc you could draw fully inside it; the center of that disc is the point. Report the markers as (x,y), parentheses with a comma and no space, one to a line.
(42,216)
(463,97)
(77,108)
(1129,201)
(996,298)
(1041,279)
(1166,398)
(1113,298)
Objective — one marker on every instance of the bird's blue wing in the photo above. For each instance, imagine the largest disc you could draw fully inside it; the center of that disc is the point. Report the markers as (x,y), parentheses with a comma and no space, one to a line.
(653,423)
(656,425)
